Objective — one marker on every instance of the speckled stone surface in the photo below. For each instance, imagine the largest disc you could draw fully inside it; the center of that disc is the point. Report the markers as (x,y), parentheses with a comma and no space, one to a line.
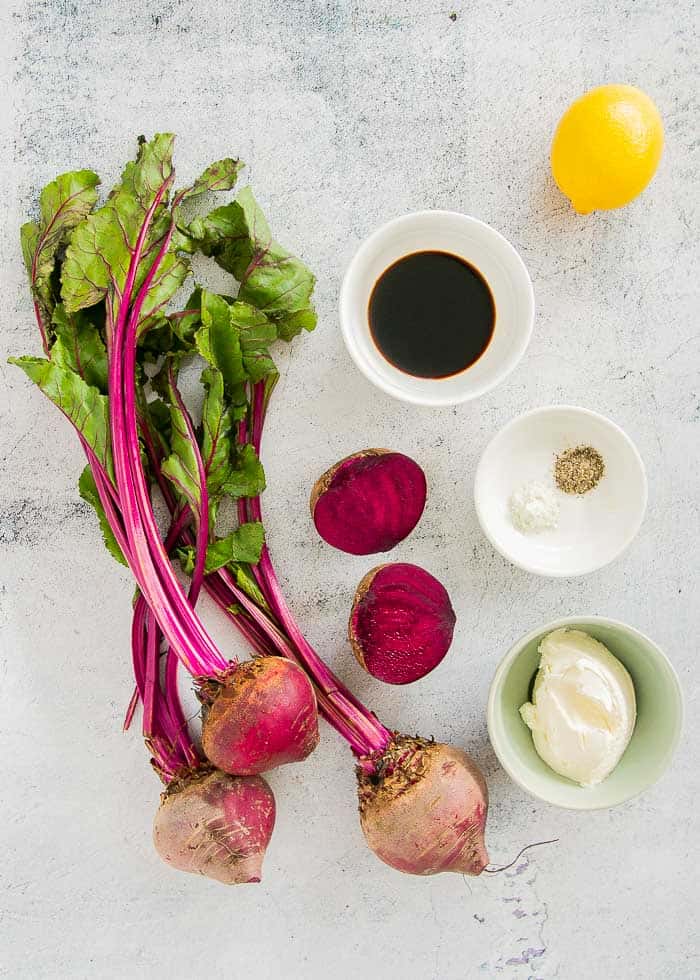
(348,114)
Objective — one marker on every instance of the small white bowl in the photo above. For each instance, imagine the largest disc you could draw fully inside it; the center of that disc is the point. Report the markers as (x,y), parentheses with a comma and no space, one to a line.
(482,247)
(595,527)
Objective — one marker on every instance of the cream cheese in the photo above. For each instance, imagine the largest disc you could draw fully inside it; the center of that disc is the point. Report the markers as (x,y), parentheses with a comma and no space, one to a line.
(583,707)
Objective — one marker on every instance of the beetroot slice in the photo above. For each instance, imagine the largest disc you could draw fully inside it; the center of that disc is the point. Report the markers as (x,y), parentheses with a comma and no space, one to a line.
(401,623)
(369,501)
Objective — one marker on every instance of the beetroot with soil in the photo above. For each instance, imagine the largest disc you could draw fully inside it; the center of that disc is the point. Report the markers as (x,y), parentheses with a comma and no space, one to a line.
(260,715)
(138,440)
(217,825)
(208,822)
(423,808)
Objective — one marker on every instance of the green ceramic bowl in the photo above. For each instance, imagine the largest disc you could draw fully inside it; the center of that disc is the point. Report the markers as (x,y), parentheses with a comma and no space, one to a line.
(656,733)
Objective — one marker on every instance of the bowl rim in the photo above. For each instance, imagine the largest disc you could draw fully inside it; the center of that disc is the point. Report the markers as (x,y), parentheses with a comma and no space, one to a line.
(581,621)
(348,332)
(531,567)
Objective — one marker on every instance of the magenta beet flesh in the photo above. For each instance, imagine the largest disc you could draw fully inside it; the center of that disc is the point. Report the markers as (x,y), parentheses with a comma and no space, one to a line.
(216,825)
(369,502)
(401,623)
(262,715)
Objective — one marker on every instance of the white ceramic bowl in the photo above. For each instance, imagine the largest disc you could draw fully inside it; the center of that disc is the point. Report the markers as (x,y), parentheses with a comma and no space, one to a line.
(482,247)
(594,528)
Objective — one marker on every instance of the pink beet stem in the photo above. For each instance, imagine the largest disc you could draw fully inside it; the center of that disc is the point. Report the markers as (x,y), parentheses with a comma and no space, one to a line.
(376,737)
(152,669)
(151,565)
(131,710)
(164,726)
(255,636)
(258,628)
(129,512)
(222,593)
(364,732)
(202,517)
(138,551)
(242,503)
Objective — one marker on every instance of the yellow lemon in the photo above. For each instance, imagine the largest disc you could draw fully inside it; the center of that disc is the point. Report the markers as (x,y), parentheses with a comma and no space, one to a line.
(607,147)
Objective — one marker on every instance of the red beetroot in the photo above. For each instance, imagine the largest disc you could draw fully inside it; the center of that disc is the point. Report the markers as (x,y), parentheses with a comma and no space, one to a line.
(260,715)
(401,623)
(369,501)
(213,824)
(201,827)
(423,808)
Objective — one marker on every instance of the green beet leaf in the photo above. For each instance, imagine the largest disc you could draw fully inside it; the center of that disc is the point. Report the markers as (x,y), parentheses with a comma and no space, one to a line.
(82,404)
(256,331)
(246,581)
(157,339)
(247,477)
(63,204)
(79,347)
(234,338)
(181,467)
(271,278)
(159,418)
(218,340)
(217,426)
(233,471)
(101,246)
(88,491)
(170,276)
(242,546)
(219,176)
(187,321)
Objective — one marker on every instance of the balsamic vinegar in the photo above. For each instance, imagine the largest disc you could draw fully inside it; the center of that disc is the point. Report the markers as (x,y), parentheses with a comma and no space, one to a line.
(431,314)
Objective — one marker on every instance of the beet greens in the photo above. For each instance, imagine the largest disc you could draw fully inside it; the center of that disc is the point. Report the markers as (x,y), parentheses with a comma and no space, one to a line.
(104,282)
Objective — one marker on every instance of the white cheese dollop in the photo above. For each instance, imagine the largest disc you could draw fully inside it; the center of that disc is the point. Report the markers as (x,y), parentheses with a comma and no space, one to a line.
(583,707)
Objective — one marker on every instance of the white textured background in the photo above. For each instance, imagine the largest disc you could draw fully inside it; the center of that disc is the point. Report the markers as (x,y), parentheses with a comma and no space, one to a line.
(349,114)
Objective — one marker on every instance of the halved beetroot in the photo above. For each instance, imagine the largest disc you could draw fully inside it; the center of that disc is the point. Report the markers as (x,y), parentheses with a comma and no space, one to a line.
(369,501)
(401,624)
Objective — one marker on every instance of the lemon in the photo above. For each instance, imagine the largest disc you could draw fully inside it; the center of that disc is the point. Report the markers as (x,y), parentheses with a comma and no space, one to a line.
(607,147)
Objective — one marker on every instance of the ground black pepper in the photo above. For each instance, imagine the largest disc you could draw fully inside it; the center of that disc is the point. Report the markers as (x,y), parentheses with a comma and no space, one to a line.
(578,470)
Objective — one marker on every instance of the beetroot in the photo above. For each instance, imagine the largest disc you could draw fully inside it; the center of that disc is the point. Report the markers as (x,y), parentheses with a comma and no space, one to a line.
(401,623)
(101,285)
(423,808)
(213,824)
(260,715)
(369,501)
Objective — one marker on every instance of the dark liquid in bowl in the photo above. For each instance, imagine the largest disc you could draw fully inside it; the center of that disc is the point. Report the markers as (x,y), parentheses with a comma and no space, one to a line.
(431,314)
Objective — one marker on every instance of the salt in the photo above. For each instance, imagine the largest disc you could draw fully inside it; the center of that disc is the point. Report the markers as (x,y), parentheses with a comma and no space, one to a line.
(534,507)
